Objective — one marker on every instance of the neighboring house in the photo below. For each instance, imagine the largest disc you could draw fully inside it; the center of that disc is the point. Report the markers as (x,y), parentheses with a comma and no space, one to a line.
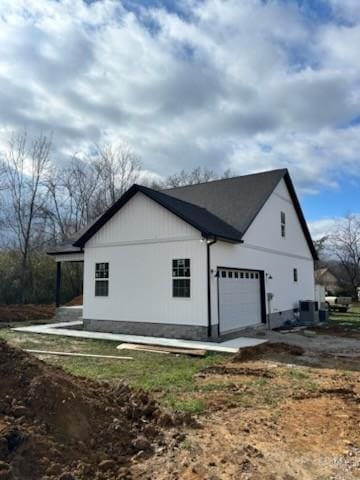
(323,276)
(197,262)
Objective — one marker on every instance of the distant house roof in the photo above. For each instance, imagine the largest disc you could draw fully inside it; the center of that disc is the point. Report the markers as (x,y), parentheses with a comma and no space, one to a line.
(222,208)
(321,272)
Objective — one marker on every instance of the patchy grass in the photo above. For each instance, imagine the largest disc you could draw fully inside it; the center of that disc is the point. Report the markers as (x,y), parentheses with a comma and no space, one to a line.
(352,317)
(174,379)
(297,374)
(166,375)
(190,405)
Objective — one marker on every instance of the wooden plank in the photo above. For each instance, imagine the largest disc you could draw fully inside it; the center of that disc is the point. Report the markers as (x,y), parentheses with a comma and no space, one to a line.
(347,355)
(141,348)
(158,349)
(72,354)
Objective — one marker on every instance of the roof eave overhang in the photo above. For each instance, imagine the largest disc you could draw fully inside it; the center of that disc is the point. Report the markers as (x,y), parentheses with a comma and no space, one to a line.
(124,199)
(222,238)
(300,214)
(67,252)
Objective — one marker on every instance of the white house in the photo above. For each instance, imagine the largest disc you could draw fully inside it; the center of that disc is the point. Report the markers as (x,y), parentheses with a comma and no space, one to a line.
(196,262)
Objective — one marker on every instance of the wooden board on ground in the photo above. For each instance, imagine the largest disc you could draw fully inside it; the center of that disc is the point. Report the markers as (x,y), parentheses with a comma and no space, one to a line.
(158,349)
(72,354)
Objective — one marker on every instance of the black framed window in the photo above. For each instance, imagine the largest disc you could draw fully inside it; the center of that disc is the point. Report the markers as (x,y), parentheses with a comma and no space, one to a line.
(181,277)
(295,274)
(283,223)
(101,270)
(181,267)
(102,279)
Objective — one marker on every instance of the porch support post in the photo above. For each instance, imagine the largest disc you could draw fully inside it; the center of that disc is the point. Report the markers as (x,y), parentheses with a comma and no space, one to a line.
(58,284)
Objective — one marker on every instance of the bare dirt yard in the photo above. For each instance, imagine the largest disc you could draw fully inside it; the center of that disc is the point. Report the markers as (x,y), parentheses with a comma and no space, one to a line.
(57,426)
(21,313)
(271,417)
(286,410)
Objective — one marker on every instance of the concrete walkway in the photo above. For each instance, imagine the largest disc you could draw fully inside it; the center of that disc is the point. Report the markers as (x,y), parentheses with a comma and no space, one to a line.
(229,346)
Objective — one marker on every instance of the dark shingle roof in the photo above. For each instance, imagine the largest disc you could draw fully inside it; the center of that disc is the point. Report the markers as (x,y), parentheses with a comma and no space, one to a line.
(222,208)
(66,247)
(204,221)
(199,217)
(238,200)
(235,200)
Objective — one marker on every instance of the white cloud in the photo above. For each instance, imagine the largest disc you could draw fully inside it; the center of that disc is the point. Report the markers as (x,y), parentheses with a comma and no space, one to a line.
(248,85)
(327,226)
(322,228)
(346,10)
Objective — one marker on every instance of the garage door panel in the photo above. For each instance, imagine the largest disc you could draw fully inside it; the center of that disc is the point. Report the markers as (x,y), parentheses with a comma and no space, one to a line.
(239,299)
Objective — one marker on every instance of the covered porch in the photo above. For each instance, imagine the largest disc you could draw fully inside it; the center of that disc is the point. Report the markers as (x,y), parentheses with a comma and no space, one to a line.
(68,255)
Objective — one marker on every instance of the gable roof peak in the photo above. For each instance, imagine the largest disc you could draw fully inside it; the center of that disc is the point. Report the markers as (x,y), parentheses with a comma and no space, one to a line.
(281,171)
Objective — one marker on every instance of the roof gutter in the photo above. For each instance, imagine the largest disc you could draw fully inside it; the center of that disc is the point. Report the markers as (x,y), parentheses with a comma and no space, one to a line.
(209,242)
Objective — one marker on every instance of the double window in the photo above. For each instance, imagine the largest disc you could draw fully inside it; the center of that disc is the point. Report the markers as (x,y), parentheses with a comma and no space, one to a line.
(283,223)
(101,279)
(181,277)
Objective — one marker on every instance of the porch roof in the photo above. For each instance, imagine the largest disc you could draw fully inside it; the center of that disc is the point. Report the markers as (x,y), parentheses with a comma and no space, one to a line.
(66,252)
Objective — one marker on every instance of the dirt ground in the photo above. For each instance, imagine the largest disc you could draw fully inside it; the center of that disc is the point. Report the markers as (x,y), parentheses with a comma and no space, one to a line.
(285,410)
(279,417)
(56,426)
(21,313)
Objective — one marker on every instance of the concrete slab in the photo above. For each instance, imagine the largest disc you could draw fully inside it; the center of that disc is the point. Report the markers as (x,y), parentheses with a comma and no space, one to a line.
(229,346)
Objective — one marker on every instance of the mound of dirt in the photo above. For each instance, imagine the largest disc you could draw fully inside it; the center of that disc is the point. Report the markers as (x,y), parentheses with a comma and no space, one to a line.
(267,350)
(76,301)
(56,426)
(21,313)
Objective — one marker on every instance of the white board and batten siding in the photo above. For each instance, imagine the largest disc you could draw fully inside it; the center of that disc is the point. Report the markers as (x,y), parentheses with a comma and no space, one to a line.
(141,240)
(139,243)
(265,250)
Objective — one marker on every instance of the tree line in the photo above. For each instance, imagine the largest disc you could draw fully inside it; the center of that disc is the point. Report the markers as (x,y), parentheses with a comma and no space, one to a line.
(340,252)
(44,202)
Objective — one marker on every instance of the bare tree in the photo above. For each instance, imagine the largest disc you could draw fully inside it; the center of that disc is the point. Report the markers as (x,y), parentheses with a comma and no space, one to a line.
(117,168)
(344,244)
(71,192)
(84,189)
(192,177)
(321,246)
(2,175)
(26,161)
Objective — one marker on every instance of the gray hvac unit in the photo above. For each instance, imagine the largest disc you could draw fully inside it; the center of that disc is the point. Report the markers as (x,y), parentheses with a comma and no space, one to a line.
(323,315)
(309,311)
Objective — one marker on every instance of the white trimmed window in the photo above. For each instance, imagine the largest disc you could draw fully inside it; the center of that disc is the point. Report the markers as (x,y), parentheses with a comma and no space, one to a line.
(181,277)
(101,279)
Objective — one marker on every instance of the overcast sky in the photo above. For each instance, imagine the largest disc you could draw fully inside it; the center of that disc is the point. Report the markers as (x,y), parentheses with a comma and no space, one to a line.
(243,84)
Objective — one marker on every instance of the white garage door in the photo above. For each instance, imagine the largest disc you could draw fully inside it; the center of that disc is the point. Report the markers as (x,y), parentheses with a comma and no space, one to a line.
(239,299)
